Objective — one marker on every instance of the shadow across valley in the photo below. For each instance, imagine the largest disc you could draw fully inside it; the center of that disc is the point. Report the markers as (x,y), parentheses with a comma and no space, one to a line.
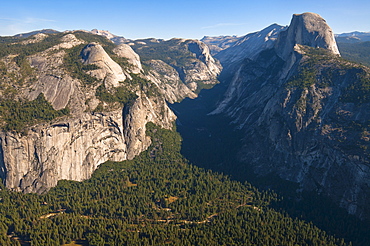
(212,142)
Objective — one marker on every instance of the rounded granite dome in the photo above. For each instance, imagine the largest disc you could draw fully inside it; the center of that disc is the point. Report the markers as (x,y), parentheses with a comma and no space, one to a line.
(306,29)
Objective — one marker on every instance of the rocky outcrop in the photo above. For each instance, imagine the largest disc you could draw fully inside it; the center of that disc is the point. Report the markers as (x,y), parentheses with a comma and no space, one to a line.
(73,146)
(108,70)
(35,39)
(68,41)
(67,149)
(306,29)
(202,53)
(302,118)
(273,48)
(168,80)
(104,33)
(144,110)
(191,60)
(57,86)
(125,51)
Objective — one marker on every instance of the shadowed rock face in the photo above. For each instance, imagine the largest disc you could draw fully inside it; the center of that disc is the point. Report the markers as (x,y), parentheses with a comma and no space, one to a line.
(289,101)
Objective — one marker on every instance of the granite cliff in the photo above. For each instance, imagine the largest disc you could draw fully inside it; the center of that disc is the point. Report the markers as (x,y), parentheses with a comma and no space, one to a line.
(104,93)
(304,113)
(188,60)
(289,92)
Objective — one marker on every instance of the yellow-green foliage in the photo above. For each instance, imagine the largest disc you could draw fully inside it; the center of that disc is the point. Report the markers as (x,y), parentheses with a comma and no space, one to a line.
(120,94)
(17,115)
(304,79)
(310,68)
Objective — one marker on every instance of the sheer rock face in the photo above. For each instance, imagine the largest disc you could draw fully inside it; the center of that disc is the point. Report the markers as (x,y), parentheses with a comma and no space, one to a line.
(178,62)
(202,53)
(169,82)
(73,146)
(144,110)
(303,132)
(57,85)
(281,46)
(306,29)
(69,149)
(203,67)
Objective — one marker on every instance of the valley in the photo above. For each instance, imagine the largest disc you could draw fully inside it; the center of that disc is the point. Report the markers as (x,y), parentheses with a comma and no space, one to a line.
(273,147)
(153,199)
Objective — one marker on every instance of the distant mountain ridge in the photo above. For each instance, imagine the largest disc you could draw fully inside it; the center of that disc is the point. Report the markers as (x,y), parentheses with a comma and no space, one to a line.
(219,43)
(216,44)
(355,46)
(353,37)
(246,47)
(28,34)
(104,33)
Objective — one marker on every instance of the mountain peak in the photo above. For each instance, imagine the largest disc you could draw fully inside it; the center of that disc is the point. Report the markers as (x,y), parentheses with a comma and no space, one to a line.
(105,33)
(28,34)
(306,29)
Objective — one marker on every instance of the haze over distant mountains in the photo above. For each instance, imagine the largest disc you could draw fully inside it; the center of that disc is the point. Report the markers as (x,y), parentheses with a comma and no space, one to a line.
(352,45)
(353,37)
(217,43)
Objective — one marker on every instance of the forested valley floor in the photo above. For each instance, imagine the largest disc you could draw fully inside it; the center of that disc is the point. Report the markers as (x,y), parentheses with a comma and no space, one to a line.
(158,198)
(211,142)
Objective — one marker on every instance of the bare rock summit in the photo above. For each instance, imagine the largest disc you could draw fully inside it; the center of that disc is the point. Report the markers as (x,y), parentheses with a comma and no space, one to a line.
(306,29)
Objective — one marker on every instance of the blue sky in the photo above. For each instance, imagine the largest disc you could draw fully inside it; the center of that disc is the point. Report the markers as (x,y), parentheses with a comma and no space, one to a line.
(173,18)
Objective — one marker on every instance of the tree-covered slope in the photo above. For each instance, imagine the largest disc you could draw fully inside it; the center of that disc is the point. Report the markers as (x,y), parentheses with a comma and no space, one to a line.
(157,198)
(357,52)
(76,100)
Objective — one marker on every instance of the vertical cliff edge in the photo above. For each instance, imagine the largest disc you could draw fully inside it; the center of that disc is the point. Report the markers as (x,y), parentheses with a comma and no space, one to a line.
(305,112)
(73,100)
